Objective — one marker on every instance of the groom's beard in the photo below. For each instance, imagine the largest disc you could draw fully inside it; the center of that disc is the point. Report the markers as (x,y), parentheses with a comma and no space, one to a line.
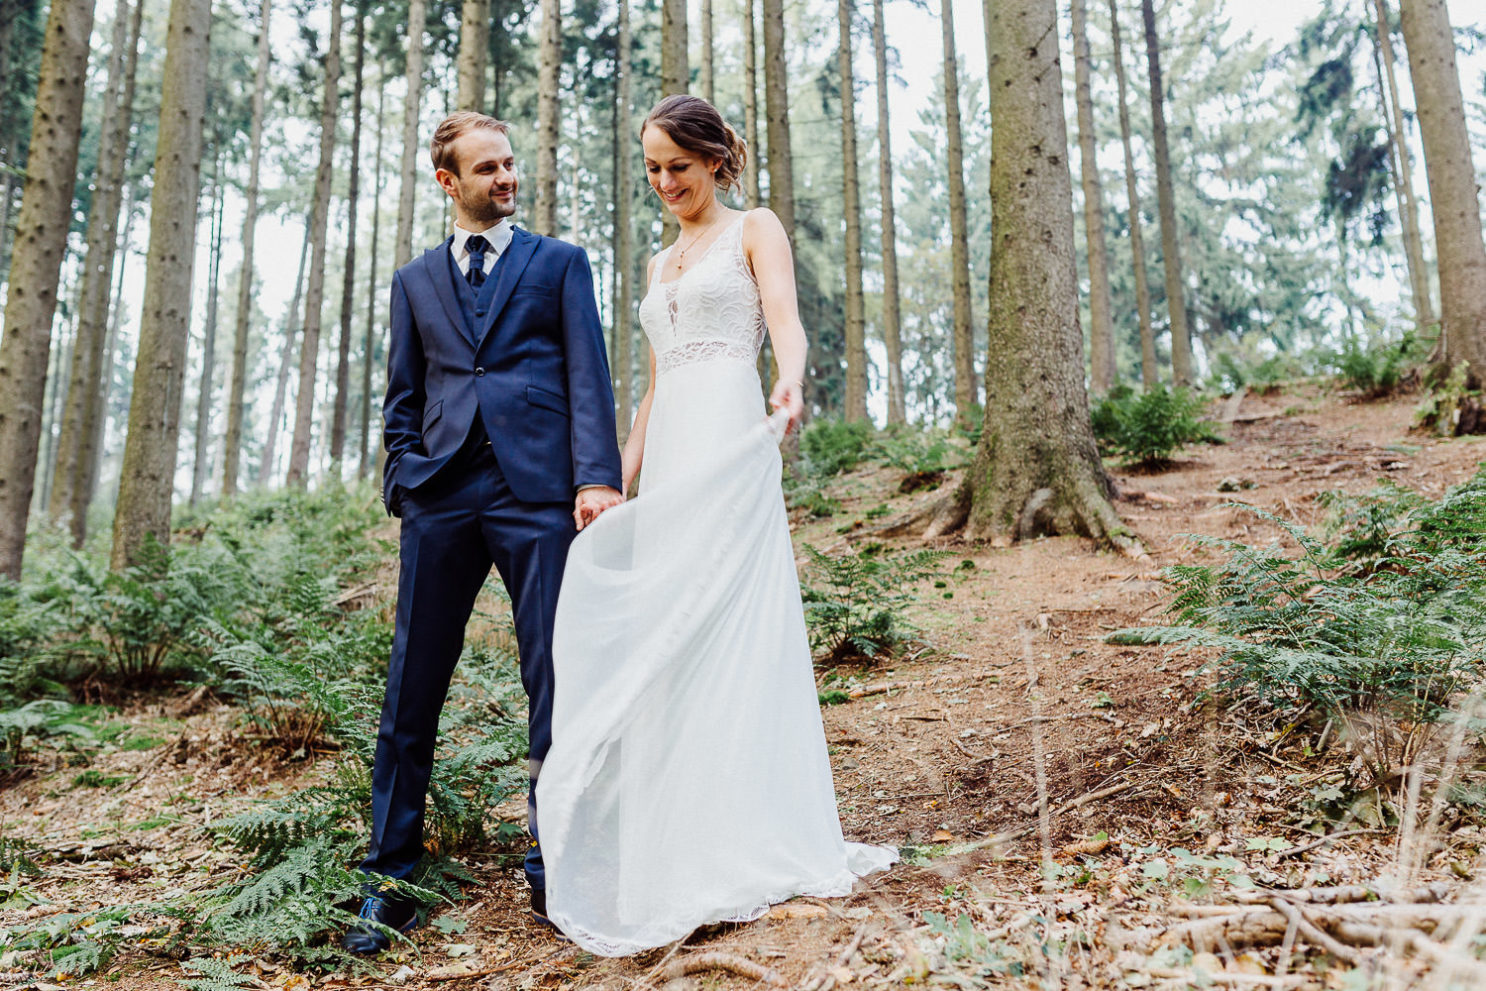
(485,210)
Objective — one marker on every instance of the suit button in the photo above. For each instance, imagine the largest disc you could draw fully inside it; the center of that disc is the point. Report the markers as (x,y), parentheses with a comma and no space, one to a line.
(479,373)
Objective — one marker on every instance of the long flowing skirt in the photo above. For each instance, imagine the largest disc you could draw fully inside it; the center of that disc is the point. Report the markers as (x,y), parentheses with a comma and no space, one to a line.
(688,780)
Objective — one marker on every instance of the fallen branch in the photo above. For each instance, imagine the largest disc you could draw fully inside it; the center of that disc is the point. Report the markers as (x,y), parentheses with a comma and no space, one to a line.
(700,962)
(1063,809)
(1225,977)
(1304,927)
(1296,851)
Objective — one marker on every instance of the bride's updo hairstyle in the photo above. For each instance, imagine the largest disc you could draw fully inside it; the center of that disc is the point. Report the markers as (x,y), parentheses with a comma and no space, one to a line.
(695,125)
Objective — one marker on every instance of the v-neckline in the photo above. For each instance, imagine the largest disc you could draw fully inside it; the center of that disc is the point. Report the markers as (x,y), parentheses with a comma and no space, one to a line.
(705,252)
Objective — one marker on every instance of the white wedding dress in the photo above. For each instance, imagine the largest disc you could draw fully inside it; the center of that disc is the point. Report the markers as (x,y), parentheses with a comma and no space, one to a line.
(688,780)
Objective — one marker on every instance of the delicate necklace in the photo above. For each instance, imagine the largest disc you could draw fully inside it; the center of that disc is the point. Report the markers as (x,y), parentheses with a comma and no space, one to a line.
(681,254)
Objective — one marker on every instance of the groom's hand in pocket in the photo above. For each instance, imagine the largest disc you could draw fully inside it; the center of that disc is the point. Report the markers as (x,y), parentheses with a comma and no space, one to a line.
(592,501)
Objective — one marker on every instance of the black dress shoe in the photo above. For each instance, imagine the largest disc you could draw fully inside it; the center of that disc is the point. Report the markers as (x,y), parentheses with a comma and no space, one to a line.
(364,940)
(539,909)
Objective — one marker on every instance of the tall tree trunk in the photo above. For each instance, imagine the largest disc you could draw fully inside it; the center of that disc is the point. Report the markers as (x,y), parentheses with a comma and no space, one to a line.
(348,278)
(369,350)
(750,105)
(708,89)
(548,117)
(237,392)
(959,234)
(624,334)
(402,251)
(66,499)
(856,321)
(55,399)
(209,346)
(892,320)
(1452,184)
(286,362)
(147,476)
(1413,241)
(41,240)
(776,109)
(1036,469)
(474,53)
(675,77)
(314,296)
(1101,330)
(1149,375)
(1176,297)
(94,448)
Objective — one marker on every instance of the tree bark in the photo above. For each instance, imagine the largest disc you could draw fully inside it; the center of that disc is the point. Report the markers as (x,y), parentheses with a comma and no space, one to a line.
(624,334)
(402,251)
(67,499)
(776,109)
(959,234)
(286,363)
(147,476)
(1149,375)
(708,90)
(41,240)
(371,289)
(94,449)
(750,105)
(237,391)
(1176,297)
(892,319)
(474,53)
(675,77)
(548,117)
(1036,469)
(208,346)
(56,399)
(314,296)
(856,320)
(1452,185)
(1408,202)
(348,277)
(1101,330)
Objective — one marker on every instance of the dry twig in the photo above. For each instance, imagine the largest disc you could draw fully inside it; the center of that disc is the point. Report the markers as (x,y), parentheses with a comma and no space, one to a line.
(699,962)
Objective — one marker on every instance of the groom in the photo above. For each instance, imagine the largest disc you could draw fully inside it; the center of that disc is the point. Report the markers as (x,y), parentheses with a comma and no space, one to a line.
(500,446)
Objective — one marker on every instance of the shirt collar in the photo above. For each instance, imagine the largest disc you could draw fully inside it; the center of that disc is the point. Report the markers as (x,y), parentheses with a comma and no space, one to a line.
(499,237)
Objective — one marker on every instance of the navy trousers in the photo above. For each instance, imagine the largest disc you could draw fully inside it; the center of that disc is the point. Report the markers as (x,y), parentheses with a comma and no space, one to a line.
(453,528)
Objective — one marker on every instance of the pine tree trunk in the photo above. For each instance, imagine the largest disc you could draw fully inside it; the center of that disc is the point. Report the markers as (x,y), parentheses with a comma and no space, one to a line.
(237,392)
(549,65)
(776,109)
(147,476)
(65,499)
(1149,375)
(314,296)
(41,240)
(624,334)
(1101,330)
(1413,238)
(94,448)
(55,399)
(856,321)
(959,234)
(369,349)
(402,250)
(208,347)
(1176,297)
(348,277)
(750,105)
(286,363)
(1452,184)
(1036,469)
(892,320)
(675,77)
(474,53)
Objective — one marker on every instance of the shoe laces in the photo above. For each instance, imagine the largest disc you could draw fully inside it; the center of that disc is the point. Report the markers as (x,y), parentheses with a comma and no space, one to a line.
(369,907)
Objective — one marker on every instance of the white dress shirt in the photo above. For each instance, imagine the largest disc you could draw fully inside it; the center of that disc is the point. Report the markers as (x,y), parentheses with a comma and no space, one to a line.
(499,237)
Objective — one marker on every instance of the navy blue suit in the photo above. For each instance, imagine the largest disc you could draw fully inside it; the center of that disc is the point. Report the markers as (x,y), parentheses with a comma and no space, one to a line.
(499,408)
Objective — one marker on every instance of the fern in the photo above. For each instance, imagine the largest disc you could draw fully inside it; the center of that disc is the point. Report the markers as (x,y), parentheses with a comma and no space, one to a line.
(859,600)
(217,974)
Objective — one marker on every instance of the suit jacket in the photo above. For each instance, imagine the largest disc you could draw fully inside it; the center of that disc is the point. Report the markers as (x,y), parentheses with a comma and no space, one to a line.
(533,369)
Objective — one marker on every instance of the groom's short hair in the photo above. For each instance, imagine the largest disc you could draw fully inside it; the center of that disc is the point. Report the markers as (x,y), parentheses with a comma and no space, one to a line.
(441,149)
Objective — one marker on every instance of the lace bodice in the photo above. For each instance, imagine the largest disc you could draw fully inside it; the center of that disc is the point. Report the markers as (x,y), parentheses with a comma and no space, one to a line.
(711,312)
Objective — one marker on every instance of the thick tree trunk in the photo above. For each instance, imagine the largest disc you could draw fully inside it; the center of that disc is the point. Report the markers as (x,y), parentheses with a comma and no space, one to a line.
(892,320)
(237,391)
(41,240)
(856,320)
(1176,297)
(208,347)
(959,234)
(66,500)
(1036,469)
(624,266)
(1149,375)
(750,104)
(1413,238)
(286,363)
(147,476)
(776,109)
(549,65)
(1452,184)
(1101,331)
(402,251)
(314,296)
(369,349)
(709,92)
(474,53)
(348,278)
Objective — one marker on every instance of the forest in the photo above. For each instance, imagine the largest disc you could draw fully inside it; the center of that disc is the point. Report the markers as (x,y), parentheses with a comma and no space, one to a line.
(1139,509)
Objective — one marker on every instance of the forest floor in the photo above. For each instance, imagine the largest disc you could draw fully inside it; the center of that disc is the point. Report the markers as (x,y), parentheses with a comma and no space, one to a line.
(1016,737)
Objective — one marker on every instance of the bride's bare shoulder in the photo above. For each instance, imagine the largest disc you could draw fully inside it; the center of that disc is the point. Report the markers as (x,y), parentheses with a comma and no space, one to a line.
(762,228)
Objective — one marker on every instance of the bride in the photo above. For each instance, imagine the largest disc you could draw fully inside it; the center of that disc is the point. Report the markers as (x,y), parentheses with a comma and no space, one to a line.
(688,780)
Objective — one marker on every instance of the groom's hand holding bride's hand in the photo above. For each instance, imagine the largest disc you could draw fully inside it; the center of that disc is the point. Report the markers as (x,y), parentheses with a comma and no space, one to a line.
(592,501)
(790,396)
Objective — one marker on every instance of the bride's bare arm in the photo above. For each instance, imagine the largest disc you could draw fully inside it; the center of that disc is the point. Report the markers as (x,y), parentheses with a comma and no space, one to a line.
(634,445)
(767,247)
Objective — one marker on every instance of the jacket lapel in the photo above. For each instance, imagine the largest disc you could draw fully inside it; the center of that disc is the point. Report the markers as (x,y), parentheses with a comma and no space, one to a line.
(517,254)
(436,269)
